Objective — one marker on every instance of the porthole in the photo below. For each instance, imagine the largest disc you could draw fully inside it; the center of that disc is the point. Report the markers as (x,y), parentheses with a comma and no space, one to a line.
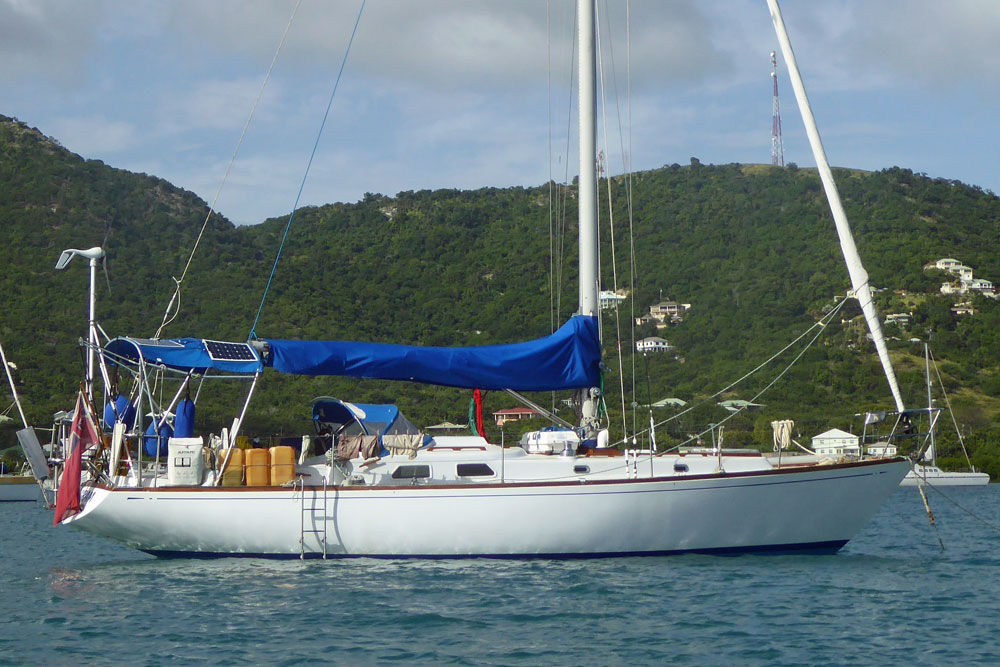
(412,472)
(474,470)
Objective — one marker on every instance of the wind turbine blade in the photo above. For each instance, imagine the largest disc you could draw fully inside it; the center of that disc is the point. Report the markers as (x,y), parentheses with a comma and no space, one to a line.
(64,259)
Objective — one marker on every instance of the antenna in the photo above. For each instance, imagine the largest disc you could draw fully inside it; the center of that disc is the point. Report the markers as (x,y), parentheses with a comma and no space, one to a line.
(777,147)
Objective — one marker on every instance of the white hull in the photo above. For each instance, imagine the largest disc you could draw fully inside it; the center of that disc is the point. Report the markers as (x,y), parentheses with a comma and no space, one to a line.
(819,508)
(19,488)
(937,477)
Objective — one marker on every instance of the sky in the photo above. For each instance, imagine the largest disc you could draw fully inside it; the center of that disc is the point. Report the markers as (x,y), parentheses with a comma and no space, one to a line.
(473,93)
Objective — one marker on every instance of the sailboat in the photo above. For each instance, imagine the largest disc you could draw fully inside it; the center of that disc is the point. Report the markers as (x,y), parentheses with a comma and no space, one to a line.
(368,483)
(928,472)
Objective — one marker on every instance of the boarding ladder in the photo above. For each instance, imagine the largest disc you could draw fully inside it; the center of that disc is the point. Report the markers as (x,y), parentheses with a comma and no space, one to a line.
(310,508)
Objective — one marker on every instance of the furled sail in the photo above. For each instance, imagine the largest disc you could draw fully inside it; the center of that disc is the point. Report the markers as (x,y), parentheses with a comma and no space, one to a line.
(859,276)
(570,358)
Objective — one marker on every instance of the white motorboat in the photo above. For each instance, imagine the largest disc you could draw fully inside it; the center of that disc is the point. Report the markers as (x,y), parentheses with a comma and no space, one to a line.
(931,474)
(368,483)
(19,488)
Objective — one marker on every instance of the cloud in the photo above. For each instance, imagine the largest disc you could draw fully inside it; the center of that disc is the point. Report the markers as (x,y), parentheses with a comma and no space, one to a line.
(449,93)
(94,135)
(940,46)
(39,39)
(216,104)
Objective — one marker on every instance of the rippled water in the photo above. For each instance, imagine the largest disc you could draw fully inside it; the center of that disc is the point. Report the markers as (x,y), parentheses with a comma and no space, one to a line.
(890,596)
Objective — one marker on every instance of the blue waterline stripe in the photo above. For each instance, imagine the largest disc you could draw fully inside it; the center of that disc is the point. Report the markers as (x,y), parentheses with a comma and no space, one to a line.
(769,549)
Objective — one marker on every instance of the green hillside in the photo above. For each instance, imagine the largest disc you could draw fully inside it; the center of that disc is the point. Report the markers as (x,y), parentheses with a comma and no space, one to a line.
(752,248)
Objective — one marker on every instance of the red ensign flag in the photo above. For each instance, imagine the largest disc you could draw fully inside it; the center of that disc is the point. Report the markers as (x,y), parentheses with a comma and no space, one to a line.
(81,436)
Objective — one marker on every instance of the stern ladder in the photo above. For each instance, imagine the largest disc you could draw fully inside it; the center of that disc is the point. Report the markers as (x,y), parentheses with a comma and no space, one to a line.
(310,508)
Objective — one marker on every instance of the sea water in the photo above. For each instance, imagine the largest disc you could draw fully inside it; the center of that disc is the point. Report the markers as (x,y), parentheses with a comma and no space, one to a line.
(893,595)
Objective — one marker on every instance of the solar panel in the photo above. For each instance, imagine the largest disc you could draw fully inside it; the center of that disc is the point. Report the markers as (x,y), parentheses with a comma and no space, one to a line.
(222,351)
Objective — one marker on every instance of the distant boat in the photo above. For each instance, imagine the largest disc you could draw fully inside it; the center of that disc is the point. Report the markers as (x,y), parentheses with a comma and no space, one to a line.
(931,474)
(19,487)
(928,472)
(368,483)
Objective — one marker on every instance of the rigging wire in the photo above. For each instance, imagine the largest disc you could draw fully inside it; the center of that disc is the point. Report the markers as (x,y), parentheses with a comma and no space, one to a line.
(548,125)
(175,299)
(921,484)
(627,160)
(548,111)
(565,190)
(951,412)
(291,216)
(767,387)
(611,210)
(954,502)
(820,324)
(627,177)
(627,174)
(557,192)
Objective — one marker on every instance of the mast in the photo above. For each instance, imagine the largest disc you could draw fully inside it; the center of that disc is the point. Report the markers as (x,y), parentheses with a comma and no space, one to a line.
(587,101)
(859,277)
(930,455)
(587,181)
(13,389)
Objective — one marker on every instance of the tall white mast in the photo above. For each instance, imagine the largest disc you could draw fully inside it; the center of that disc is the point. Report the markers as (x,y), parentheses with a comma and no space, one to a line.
(587,182)
(587,101)
(859,277)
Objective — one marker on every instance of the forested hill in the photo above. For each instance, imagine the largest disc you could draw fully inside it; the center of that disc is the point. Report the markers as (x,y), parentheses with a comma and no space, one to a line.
(752,248)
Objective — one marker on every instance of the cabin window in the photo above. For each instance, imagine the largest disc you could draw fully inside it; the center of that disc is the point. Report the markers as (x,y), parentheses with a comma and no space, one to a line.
(412,472)
(680,467)
(581,469)
(474,470)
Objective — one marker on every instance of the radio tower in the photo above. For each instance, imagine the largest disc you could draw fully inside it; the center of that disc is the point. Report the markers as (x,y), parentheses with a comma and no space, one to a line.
(777,147)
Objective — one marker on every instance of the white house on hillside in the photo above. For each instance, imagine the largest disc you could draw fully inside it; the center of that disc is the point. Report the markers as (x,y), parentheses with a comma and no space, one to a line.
(980,285)
(653,344)
(946,264)
(836,443)
(963,309)
(966,282)
(668,312)
(899,319)
(881,449)
(610,300)
(963,272)
(514,414)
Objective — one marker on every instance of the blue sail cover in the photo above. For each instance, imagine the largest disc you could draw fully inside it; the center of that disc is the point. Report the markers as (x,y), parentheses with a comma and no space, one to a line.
(185,354)
(570,358)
